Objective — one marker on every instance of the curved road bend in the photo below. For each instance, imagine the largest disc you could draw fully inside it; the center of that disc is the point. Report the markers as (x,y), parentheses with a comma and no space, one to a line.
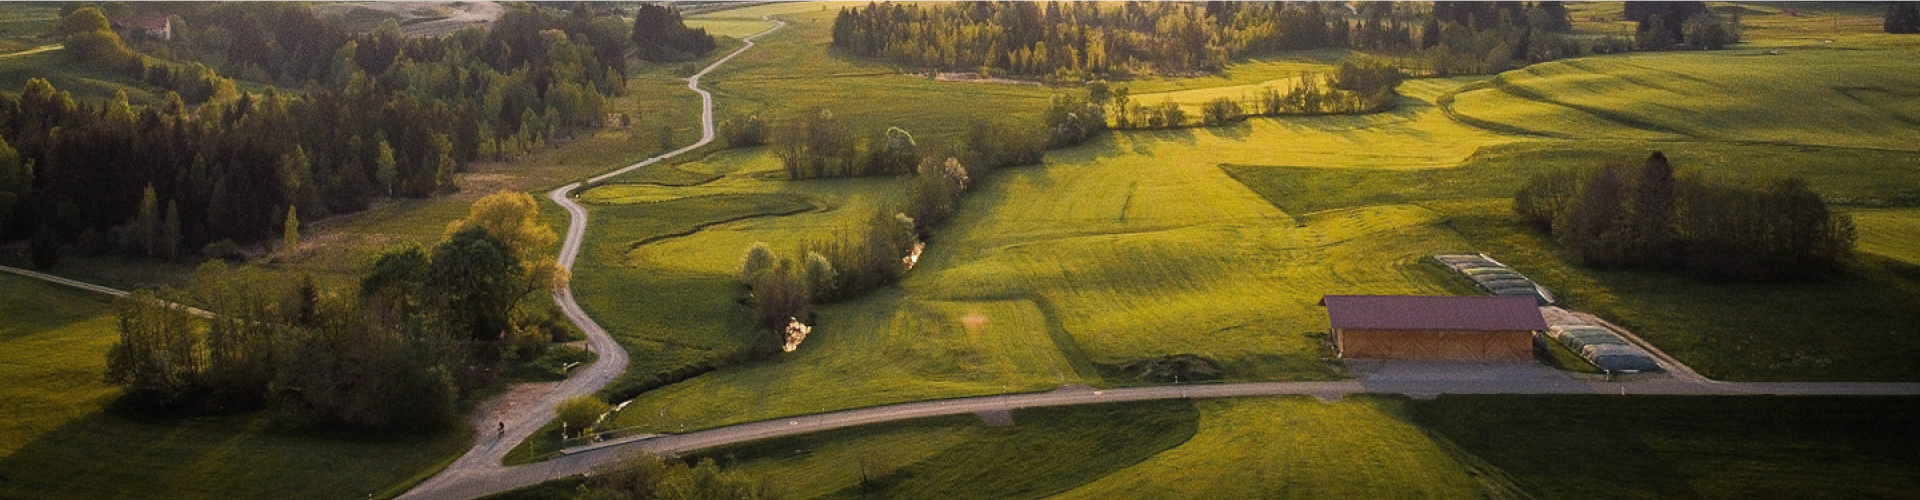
(475,473)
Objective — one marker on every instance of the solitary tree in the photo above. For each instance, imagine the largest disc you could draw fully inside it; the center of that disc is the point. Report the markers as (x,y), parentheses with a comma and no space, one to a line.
(290,231)
(579,413)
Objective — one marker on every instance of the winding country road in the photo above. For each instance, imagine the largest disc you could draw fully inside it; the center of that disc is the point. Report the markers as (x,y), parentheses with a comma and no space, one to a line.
(480,472)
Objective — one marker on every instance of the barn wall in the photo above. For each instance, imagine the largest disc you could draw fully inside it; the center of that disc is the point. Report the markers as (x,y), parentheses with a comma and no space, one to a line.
(1436,344)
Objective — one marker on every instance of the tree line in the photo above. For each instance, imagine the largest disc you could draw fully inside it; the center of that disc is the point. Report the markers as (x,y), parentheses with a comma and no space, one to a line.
(379,115)
(1072,41)
(1641,215)
(424,327)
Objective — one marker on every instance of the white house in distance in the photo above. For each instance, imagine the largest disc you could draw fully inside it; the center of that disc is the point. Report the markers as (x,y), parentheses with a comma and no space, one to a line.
(152,25)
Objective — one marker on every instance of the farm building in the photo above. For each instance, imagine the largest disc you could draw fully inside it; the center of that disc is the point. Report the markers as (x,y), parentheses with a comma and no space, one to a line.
(1423,327)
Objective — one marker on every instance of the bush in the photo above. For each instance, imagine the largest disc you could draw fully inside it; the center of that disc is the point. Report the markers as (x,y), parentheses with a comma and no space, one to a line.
(745,131)
(580,413)
(758,260)
(1173,368)
(223,250)
(1221,111)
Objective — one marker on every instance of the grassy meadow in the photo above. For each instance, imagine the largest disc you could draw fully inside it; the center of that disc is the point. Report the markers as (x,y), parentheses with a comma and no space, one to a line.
(1218,241)
(1581,447)
(59,440)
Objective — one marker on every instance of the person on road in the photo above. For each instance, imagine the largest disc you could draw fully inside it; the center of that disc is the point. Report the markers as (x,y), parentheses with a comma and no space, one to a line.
(503,428)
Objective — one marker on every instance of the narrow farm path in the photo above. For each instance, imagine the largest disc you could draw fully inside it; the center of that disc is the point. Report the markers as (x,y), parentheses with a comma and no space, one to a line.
(480,468)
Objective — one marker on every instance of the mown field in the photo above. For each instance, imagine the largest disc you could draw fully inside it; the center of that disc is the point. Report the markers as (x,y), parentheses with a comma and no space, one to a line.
(1555,447)
(1143,244)
(58,440)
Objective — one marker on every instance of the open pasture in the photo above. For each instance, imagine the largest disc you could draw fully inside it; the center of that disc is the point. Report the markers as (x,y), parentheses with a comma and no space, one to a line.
(1829,96)
(56,427)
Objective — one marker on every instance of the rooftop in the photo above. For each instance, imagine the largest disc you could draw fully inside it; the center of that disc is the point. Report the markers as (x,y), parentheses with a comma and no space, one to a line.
(1412,312)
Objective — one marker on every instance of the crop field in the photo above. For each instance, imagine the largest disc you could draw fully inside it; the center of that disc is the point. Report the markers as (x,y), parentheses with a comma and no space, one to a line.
(56,428)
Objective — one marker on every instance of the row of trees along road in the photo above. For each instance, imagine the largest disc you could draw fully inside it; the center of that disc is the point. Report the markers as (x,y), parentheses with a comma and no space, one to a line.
(424,327)
(1641,215)
(377,114)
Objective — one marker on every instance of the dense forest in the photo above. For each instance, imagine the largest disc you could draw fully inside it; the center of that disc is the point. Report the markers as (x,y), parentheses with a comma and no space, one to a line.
(376,114)
(1083,40)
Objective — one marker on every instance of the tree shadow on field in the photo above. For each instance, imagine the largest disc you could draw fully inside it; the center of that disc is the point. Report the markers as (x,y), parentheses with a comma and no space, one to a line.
(1238,131)
(101,455)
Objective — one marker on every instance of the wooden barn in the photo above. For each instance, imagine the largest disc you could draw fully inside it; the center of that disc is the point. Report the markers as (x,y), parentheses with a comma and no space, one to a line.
(1427,327)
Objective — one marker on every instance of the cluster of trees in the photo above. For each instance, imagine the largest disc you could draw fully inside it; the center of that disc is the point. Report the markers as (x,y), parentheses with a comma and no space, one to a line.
(1902,18)
(381,115)
(1667,25)
(1358,86)
(818,144)
(886,244)
(659,35)
(1072,41)
(423,327)
(1643,216)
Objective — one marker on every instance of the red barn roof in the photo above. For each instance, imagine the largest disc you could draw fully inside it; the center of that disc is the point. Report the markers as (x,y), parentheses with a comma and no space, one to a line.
(1405,312)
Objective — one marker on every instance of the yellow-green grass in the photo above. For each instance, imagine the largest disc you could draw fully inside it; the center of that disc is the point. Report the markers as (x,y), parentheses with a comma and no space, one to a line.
(1844,176)
(1593,447)
(1046,451)
(1892,233)
(28,19)
(793,70)
(1856,96)
(1118,251)
(1296,448)
(57,439)
(1246,75)
(85,82)
(1238,448)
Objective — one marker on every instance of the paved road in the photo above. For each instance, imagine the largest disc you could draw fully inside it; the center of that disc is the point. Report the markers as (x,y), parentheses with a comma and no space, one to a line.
(87,286)
(584,459)
(479,471)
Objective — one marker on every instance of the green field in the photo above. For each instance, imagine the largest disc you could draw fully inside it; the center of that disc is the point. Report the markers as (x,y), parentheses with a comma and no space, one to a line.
(59,441)
(1581,447)
(1142,244)
(1550,448)
(1241,448)
(1891,233)
(1837,96)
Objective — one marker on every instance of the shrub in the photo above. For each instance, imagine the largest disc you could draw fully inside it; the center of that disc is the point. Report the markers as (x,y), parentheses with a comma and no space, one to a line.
(745,131)
(580,413)
(223,250)
(758,260)
(1221,111)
